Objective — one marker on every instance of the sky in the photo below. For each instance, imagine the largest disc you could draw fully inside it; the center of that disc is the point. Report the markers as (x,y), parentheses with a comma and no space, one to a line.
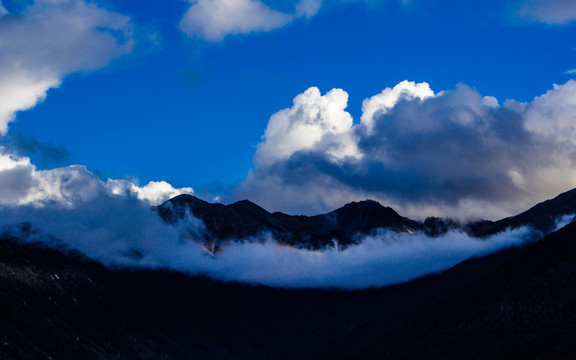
(444,107)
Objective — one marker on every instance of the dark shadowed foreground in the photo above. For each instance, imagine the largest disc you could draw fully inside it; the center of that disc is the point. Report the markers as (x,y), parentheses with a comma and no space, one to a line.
(518,303)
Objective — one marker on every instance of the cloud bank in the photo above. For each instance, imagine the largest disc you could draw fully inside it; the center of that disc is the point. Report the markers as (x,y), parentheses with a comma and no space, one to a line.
(50,39)
(213,20)
(121,231)
(454,153)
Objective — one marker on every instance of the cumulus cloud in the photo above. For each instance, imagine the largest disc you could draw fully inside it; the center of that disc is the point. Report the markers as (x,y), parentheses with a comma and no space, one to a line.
(379,104)
(155,192)
(454,153)
(213,20)
(21,184)
(312,119)
(47,41)
(553,12)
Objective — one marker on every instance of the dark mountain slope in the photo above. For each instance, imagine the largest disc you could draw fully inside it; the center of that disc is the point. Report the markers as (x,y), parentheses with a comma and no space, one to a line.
(66,307)
(524,308)
(246,219)
(518,301)
(541,216)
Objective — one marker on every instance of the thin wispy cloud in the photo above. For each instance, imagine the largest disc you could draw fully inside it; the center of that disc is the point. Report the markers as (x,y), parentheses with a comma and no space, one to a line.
(553,12)
(213,20)
(3,11)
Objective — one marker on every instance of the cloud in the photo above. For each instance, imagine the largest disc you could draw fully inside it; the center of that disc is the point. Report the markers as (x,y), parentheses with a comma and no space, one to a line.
(213,20)
(121,232)
(312,119)
(46,155)
(454,153)
(49,40)
(554,12)
(307,8)
(154,193)
(21,184)
(111,222)
(379,105)
(382,259)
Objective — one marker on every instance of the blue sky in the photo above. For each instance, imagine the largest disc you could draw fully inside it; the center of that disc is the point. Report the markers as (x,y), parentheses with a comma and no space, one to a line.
(175,103)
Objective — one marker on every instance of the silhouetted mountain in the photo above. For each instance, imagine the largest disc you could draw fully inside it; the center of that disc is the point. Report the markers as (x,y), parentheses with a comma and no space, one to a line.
(245,219)
(518,303)
(541,216)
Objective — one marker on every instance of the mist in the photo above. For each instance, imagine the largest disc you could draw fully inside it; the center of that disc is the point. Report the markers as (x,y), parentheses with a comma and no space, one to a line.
(123,232)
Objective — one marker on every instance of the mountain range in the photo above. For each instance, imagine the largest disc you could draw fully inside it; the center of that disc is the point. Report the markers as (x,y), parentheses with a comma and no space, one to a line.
(515,303)
(244,219)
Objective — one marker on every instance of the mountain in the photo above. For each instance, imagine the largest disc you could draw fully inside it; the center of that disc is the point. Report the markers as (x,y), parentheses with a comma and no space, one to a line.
(541,216)
(245,219)
(517,303)
(521,307)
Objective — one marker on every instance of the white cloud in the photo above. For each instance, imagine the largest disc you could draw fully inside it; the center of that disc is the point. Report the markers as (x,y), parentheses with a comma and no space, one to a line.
(382,259)
(49,40)
(554,12)
(552,116)
(155,192)
(68,187)
(313,118)
(379,104)
(455,153)
(215,19)
(120,233)
(308,8)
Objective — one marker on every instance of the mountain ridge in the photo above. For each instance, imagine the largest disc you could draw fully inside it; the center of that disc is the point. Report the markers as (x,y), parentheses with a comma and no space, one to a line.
(541,216)
(244,219)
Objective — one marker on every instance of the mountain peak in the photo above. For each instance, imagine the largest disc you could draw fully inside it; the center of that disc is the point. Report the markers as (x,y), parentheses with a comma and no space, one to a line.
(187,199)
(365,203)
(247,205)
(245,219)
